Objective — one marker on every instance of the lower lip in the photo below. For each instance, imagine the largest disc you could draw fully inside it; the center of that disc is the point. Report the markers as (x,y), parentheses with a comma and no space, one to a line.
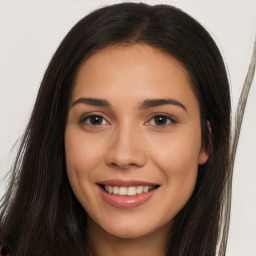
(126,201)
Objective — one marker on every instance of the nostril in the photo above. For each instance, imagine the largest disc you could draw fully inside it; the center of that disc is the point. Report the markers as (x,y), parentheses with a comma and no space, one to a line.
(123,165)
(114,164)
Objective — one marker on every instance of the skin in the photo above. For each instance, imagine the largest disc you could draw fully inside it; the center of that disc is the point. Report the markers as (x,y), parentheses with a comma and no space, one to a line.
(130,143)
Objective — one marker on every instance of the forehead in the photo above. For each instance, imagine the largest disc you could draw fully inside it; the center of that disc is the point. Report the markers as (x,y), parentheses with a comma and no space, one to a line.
(134,70)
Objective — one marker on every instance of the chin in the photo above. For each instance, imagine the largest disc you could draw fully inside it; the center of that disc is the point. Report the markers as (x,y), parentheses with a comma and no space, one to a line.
(132,228)
(129,232)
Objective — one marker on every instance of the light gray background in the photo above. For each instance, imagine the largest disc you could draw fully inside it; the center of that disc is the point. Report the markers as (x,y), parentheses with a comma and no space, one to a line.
(30,32)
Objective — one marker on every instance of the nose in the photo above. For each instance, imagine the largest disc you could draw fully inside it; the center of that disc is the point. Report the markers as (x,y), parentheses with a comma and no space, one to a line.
(126,149)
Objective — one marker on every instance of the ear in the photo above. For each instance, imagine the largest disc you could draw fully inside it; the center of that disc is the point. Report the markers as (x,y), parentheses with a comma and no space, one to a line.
(206,149)
(204,155)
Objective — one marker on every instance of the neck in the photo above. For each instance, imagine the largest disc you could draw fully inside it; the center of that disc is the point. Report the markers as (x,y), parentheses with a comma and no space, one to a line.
(102,243)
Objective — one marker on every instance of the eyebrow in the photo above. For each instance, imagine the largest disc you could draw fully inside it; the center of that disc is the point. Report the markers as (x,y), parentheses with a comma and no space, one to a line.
(92,102)
(149,103)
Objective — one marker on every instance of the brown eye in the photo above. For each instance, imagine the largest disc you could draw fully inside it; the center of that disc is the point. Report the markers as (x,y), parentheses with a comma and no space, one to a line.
(95,120)
(161,120)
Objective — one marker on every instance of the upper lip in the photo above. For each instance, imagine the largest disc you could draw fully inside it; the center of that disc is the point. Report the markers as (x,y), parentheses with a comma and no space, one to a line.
(125,183)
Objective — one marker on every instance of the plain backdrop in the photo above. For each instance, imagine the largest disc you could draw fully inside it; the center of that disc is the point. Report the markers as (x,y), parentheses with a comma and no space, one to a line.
(30,32)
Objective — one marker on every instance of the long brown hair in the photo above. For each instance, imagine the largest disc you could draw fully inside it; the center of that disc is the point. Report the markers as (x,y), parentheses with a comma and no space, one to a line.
(40,214)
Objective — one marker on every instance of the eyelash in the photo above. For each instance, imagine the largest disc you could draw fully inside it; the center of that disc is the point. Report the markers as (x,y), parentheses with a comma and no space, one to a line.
(84,119)
(166,119)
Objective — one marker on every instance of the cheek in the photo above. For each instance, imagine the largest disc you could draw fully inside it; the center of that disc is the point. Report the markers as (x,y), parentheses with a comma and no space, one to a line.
(82,152)
(81,161)
(178,153)
(180,167)
(177,158)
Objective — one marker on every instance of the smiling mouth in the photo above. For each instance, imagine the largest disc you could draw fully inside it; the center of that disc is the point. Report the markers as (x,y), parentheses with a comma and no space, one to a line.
(128,191)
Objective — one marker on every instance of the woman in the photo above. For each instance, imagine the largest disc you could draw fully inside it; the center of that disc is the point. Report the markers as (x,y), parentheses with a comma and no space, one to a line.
(127,149)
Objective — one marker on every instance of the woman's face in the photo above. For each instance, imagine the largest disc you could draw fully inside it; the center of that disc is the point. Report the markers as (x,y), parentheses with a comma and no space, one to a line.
(133,140)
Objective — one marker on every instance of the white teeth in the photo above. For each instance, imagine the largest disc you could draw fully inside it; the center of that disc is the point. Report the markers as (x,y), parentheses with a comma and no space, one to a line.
(130,191)
(139,189)
(115,190)
(122,191)
(145,190)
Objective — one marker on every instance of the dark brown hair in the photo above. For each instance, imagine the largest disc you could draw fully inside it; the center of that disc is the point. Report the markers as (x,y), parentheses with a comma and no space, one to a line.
(40,214)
